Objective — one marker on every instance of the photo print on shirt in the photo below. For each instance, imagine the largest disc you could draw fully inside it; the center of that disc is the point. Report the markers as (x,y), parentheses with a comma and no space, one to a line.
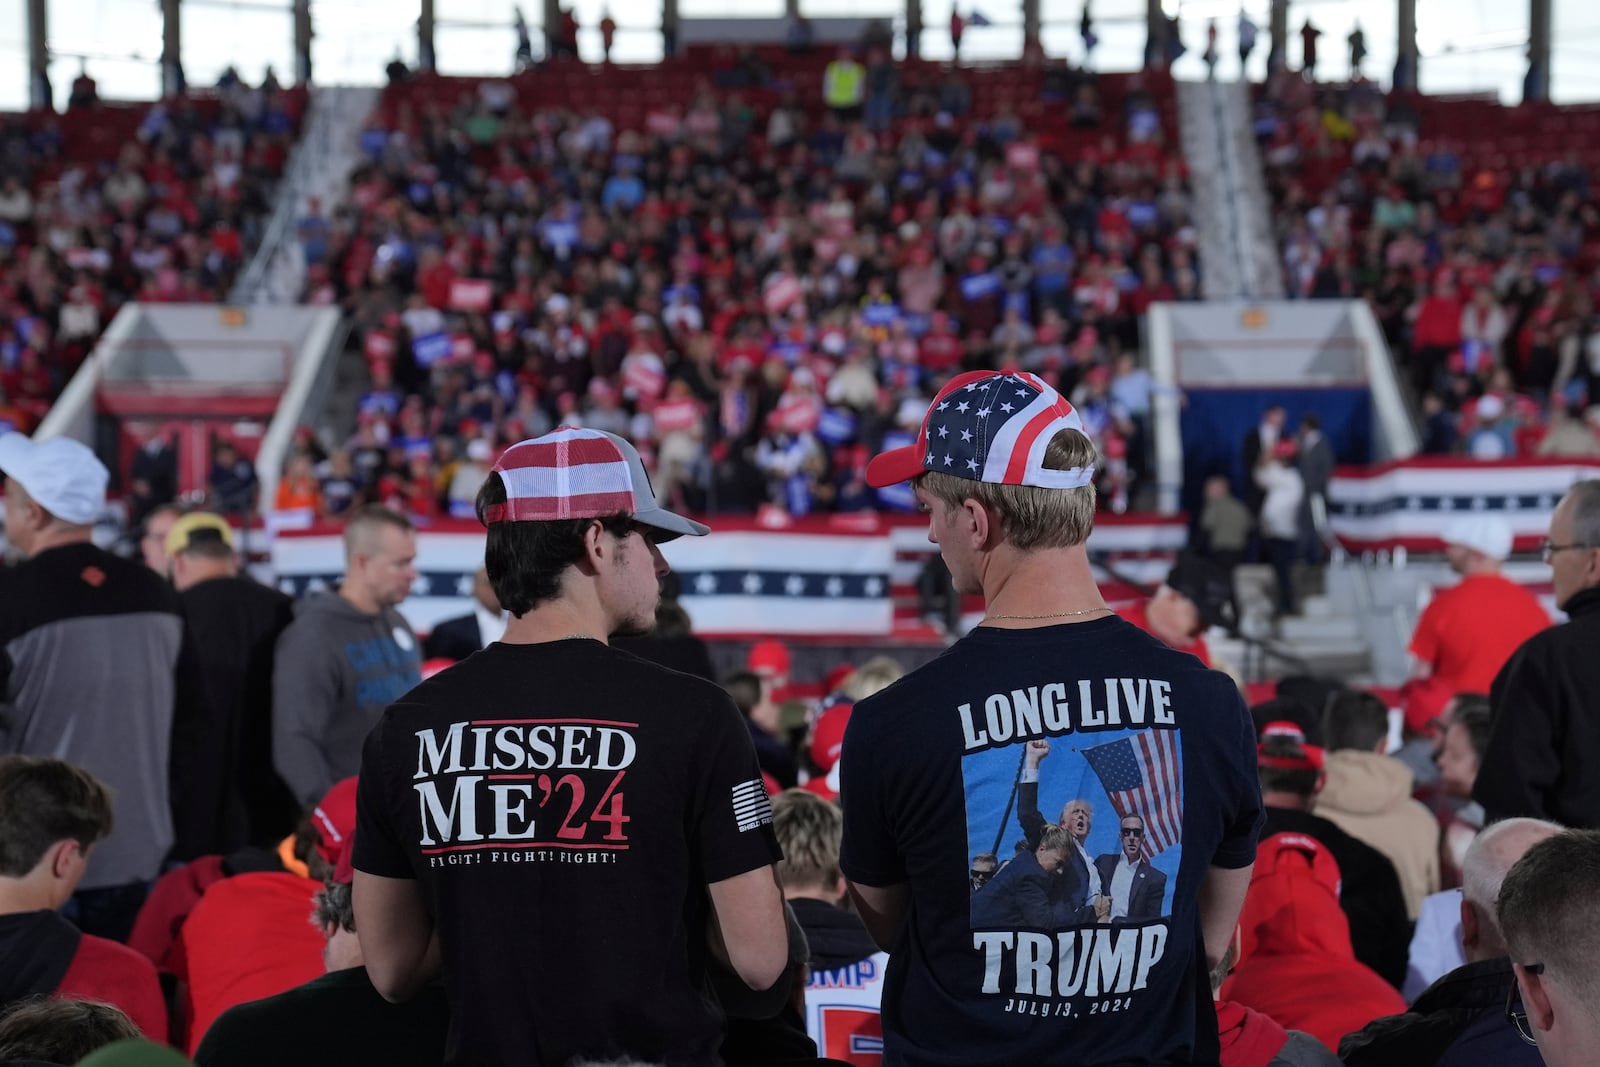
(1074,802)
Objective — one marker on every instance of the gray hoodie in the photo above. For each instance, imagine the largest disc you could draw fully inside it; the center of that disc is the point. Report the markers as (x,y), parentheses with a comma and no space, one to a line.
(336,669)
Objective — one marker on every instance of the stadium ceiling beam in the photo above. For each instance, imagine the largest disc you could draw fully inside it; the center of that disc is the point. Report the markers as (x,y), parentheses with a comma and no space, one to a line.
(1406,56)
(39,95)
(1536,86)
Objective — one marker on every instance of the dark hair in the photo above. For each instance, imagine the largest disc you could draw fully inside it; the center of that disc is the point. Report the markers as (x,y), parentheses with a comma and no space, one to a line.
(745,689)
(1311,421)
(1472,713)
(1286,709)
(43,801)
(672,620)
(1355,719)
(1547,909)
(334,905)
(1301,783)
(61,1031)
(1314,693)
(526,560)
(307,836)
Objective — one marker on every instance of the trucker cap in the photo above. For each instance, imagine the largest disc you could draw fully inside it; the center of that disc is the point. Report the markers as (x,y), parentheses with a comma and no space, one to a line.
(574,473)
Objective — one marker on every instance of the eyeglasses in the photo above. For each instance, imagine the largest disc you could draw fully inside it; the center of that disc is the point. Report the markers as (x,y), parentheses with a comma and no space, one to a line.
(1132,831)
(1548,549)
(1519,1019)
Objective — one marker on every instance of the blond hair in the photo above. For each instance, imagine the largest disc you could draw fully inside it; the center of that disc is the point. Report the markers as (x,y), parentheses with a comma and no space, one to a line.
(1031,516)
(808,829)
(877,674)
(1053,839)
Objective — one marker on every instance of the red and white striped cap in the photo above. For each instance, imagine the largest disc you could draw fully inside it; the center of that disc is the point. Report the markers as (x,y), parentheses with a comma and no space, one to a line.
(575,473)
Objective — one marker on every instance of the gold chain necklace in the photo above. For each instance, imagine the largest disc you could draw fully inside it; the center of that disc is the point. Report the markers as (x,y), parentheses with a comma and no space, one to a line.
(1052,615)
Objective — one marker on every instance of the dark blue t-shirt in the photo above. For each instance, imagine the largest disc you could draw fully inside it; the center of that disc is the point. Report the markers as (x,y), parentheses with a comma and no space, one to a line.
(936,775)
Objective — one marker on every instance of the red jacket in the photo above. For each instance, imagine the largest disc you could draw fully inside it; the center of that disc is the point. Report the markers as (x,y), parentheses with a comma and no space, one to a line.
(1249,1038)
(1295,960)
(42,954)
(249,937)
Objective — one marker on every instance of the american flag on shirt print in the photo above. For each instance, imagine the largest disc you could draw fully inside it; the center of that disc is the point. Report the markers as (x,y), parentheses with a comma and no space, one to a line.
(991,427)
(1142,777)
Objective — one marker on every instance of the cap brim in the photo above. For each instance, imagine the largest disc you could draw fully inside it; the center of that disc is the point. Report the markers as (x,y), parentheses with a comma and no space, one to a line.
(894,466)
(14,451)
(671,524)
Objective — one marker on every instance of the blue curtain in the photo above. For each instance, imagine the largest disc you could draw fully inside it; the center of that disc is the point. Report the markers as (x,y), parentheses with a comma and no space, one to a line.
(1216,421)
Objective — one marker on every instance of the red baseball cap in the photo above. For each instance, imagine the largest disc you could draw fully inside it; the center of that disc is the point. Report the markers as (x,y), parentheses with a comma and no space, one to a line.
(769,657)
(335,820)
(988,426)
(827,736)
(1308,758)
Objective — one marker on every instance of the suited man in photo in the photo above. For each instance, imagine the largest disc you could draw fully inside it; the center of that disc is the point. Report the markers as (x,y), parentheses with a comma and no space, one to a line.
(1136,889)
(460,637)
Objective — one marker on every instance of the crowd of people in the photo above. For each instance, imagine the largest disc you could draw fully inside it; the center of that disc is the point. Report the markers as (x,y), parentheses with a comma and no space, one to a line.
(242,826)
(1480,269)
(107,205)
(758,287)
(250,829)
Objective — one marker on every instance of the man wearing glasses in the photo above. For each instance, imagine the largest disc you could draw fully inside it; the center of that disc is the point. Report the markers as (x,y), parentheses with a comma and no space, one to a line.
(1136,889)
(1546,723)
(1547,908)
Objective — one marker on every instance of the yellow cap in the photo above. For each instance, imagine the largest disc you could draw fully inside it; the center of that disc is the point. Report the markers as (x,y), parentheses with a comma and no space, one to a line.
(198,527)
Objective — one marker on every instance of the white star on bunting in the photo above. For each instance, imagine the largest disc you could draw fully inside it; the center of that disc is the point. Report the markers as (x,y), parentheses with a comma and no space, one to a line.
(706,583)
(833,586)
(874,586)
(752,583)
(795,585)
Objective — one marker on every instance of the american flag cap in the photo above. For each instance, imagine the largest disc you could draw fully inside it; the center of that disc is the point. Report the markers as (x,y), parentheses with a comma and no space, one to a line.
(988,426)
(574,473)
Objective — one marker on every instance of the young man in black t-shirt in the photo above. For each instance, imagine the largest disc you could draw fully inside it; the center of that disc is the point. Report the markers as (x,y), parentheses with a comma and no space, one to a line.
(574,832)
(947,768)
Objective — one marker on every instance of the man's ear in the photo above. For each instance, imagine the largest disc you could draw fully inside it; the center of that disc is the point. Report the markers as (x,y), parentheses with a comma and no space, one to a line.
(61,857)
(1535,998)
(1469,925)
(595,548)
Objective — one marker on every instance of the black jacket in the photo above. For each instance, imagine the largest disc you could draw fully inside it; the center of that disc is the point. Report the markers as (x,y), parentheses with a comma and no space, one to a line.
(334,1020)
(835,937)
(455,639)
(1369,892)
(1546,727)
(230,795)
(1462,1014)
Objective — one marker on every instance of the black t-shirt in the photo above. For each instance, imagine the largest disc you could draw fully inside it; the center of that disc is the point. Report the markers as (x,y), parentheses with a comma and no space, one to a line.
(564,805)
(337,1020)
(933,777)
